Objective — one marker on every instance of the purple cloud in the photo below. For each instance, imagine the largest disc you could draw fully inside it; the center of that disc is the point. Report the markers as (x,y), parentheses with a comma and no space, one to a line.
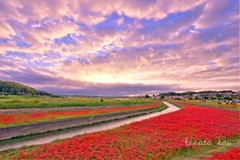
(101,47)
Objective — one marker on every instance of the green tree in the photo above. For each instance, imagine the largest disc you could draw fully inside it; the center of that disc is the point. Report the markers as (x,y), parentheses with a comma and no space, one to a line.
(212,98)
(147,96)
(205,97)
(227,98)
(14,88)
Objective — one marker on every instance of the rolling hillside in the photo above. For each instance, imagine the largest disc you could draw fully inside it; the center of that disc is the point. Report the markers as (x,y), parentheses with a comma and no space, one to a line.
(14,88)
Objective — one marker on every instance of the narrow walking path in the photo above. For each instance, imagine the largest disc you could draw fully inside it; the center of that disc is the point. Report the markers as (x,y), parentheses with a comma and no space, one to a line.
(68,133)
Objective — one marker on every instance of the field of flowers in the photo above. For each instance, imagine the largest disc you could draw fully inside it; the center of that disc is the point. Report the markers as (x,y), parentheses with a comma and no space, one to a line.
(209,103)
(156,138)
(15,102)
(232,154)
(16,119)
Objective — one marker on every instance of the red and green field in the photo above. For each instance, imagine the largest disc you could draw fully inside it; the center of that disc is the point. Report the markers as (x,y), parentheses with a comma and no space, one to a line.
(208,103)
(178,133)
(16,102)
(231,155)
(19,119)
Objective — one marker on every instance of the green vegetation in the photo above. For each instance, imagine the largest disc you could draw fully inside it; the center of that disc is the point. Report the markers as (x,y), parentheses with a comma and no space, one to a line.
(207,151)
(227,98)
(177,94)
(162,107)
(48,102)
(147,96)
(162,96)
(13,88)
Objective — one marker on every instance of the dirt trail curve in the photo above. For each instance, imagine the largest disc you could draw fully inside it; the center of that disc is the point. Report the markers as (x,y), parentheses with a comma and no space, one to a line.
(68,133)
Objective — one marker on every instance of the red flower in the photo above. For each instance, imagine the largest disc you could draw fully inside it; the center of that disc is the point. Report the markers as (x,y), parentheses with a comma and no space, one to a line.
(232,154)
(15,119)
(155,138)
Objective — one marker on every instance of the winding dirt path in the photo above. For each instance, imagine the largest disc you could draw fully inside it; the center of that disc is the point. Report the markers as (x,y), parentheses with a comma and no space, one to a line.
(68,133)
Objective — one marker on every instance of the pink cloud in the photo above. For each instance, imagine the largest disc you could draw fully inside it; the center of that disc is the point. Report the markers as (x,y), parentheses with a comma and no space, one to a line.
(6,31)
(137,42)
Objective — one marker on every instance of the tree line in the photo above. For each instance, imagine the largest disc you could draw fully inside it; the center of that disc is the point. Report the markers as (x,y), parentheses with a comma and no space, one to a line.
(13,88)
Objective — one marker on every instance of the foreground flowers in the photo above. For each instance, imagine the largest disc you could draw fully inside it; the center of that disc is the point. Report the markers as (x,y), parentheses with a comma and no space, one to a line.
(15,119)
(156,138)
(231,155)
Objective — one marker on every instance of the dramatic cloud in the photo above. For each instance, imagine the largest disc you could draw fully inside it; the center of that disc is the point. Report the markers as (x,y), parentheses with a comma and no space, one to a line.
(120,47)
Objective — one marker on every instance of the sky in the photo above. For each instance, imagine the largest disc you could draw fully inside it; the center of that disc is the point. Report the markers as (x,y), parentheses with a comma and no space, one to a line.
(115,48)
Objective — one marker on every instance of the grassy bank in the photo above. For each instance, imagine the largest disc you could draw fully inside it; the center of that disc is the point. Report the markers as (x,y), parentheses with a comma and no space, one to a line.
(206,104)
(161,107)
(207,151)
(8,102)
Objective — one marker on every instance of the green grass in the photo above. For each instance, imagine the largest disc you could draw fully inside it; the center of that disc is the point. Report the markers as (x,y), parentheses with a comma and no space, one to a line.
(43,102)
(207,151)
(162,106)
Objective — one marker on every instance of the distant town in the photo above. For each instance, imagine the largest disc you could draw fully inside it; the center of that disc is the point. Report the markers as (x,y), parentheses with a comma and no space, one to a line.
(13,88)
(189,95)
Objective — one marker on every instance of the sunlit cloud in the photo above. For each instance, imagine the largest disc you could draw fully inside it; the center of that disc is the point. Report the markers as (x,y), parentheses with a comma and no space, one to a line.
(120,47)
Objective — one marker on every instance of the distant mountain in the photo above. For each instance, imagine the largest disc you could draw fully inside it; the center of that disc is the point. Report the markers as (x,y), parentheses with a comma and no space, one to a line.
(19,89)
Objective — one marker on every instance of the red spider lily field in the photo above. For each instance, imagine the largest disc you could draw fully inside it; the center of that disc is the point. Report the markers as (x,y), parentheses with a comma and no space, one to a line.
(231,154)
(208,104)
(19,119)
(161,137)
